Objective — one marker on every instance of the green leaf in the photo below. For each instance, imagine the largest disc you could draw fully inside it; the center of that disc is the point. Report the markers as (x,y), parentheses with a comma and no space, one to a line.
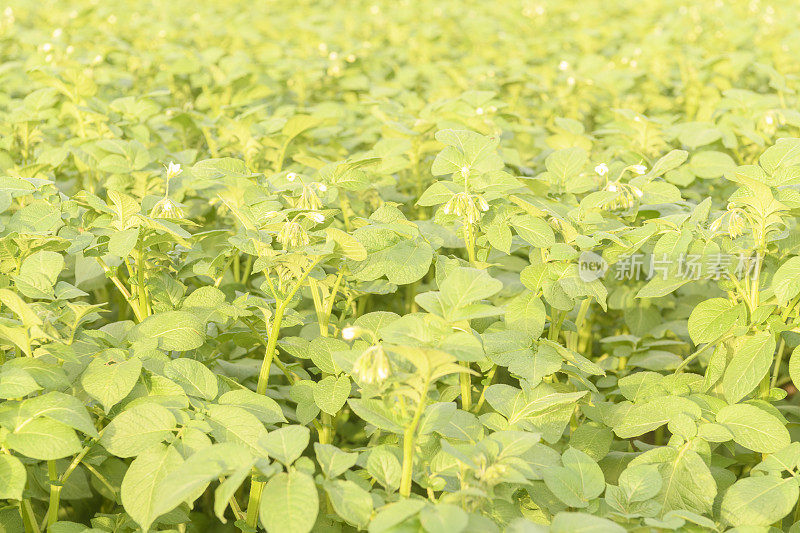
(39,273)
(686,480)
(175,330)
(647,416)
(190,479)
(711,319)
(262,407)
(237,425)
(754,428)
(759,501)
(193,377)
(534,230)
(350,501)
(526,313)
(710,164)
(289,503)
(332,460)
(13,477)
(443,518)
(583,523)
(331,393)
(138,428)
(384,466)
(43,439)
(287,443)
(750,363)
(786,281)
(59,407)
(109,382)
(16,383)
(138,490)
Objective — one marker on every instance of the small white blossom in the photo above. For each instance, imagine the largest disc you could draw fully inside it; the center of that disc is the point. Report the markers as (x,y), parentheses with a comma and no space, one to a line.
(112,19)
(57,33)
(349,333)
(639,169)
(70,49)
(173,170)
(464,171)
(291,176)
(322,187)
(333,56)
(479,111)
(769,120)
(611,187)
(318,217)
(563,66)
(47,47)
(601,169)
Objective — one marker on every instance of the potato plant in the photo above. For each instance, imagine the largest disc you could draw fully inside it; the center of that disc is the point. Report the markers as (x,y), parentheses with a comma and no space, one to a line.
(396,267)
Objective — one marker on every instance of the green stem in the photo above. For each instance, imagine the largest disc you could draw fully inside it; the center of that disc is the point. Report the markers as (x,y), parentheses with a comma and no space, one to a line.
(141,289)
(466,387)
(489,379)
(55,494)
(409,438)
(778,359)
(28,517)
(469,241)
(254,502)
(121,288)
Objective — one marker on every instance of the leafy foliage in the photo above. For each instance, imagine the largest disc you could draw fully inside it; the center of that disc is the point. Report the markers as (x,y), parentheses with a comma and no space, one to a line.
(350,266)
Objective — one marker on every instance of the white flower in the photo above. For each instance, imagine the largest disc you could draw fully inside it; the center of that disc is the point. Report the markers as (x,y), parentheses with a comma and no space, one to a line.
(639,169)
(570,81)
(291,176)
(47,47)
(318,217)
(611,187)
(479,111)
(173,170)
(350,58)
(8,12)
(769,120)
(48,58)
(112,19)
(333,56)
(563,66)
(70,49)
(97,59)
(464,171)
(57,33)
(322,187)
(349,333)
(601,169)
(322,47)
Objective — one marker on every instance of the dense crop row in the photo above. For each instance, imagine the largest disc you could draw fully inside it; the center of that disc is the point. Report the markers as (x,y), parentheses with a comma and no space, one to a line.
(413,266)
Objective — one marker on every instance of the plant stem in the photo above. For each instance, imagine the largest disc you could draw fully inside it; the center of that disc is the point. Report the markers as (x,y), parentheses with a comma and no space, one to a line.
(254,501)
(28,517)
(489,379)
(466,388)
(55,494)
(409,440)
